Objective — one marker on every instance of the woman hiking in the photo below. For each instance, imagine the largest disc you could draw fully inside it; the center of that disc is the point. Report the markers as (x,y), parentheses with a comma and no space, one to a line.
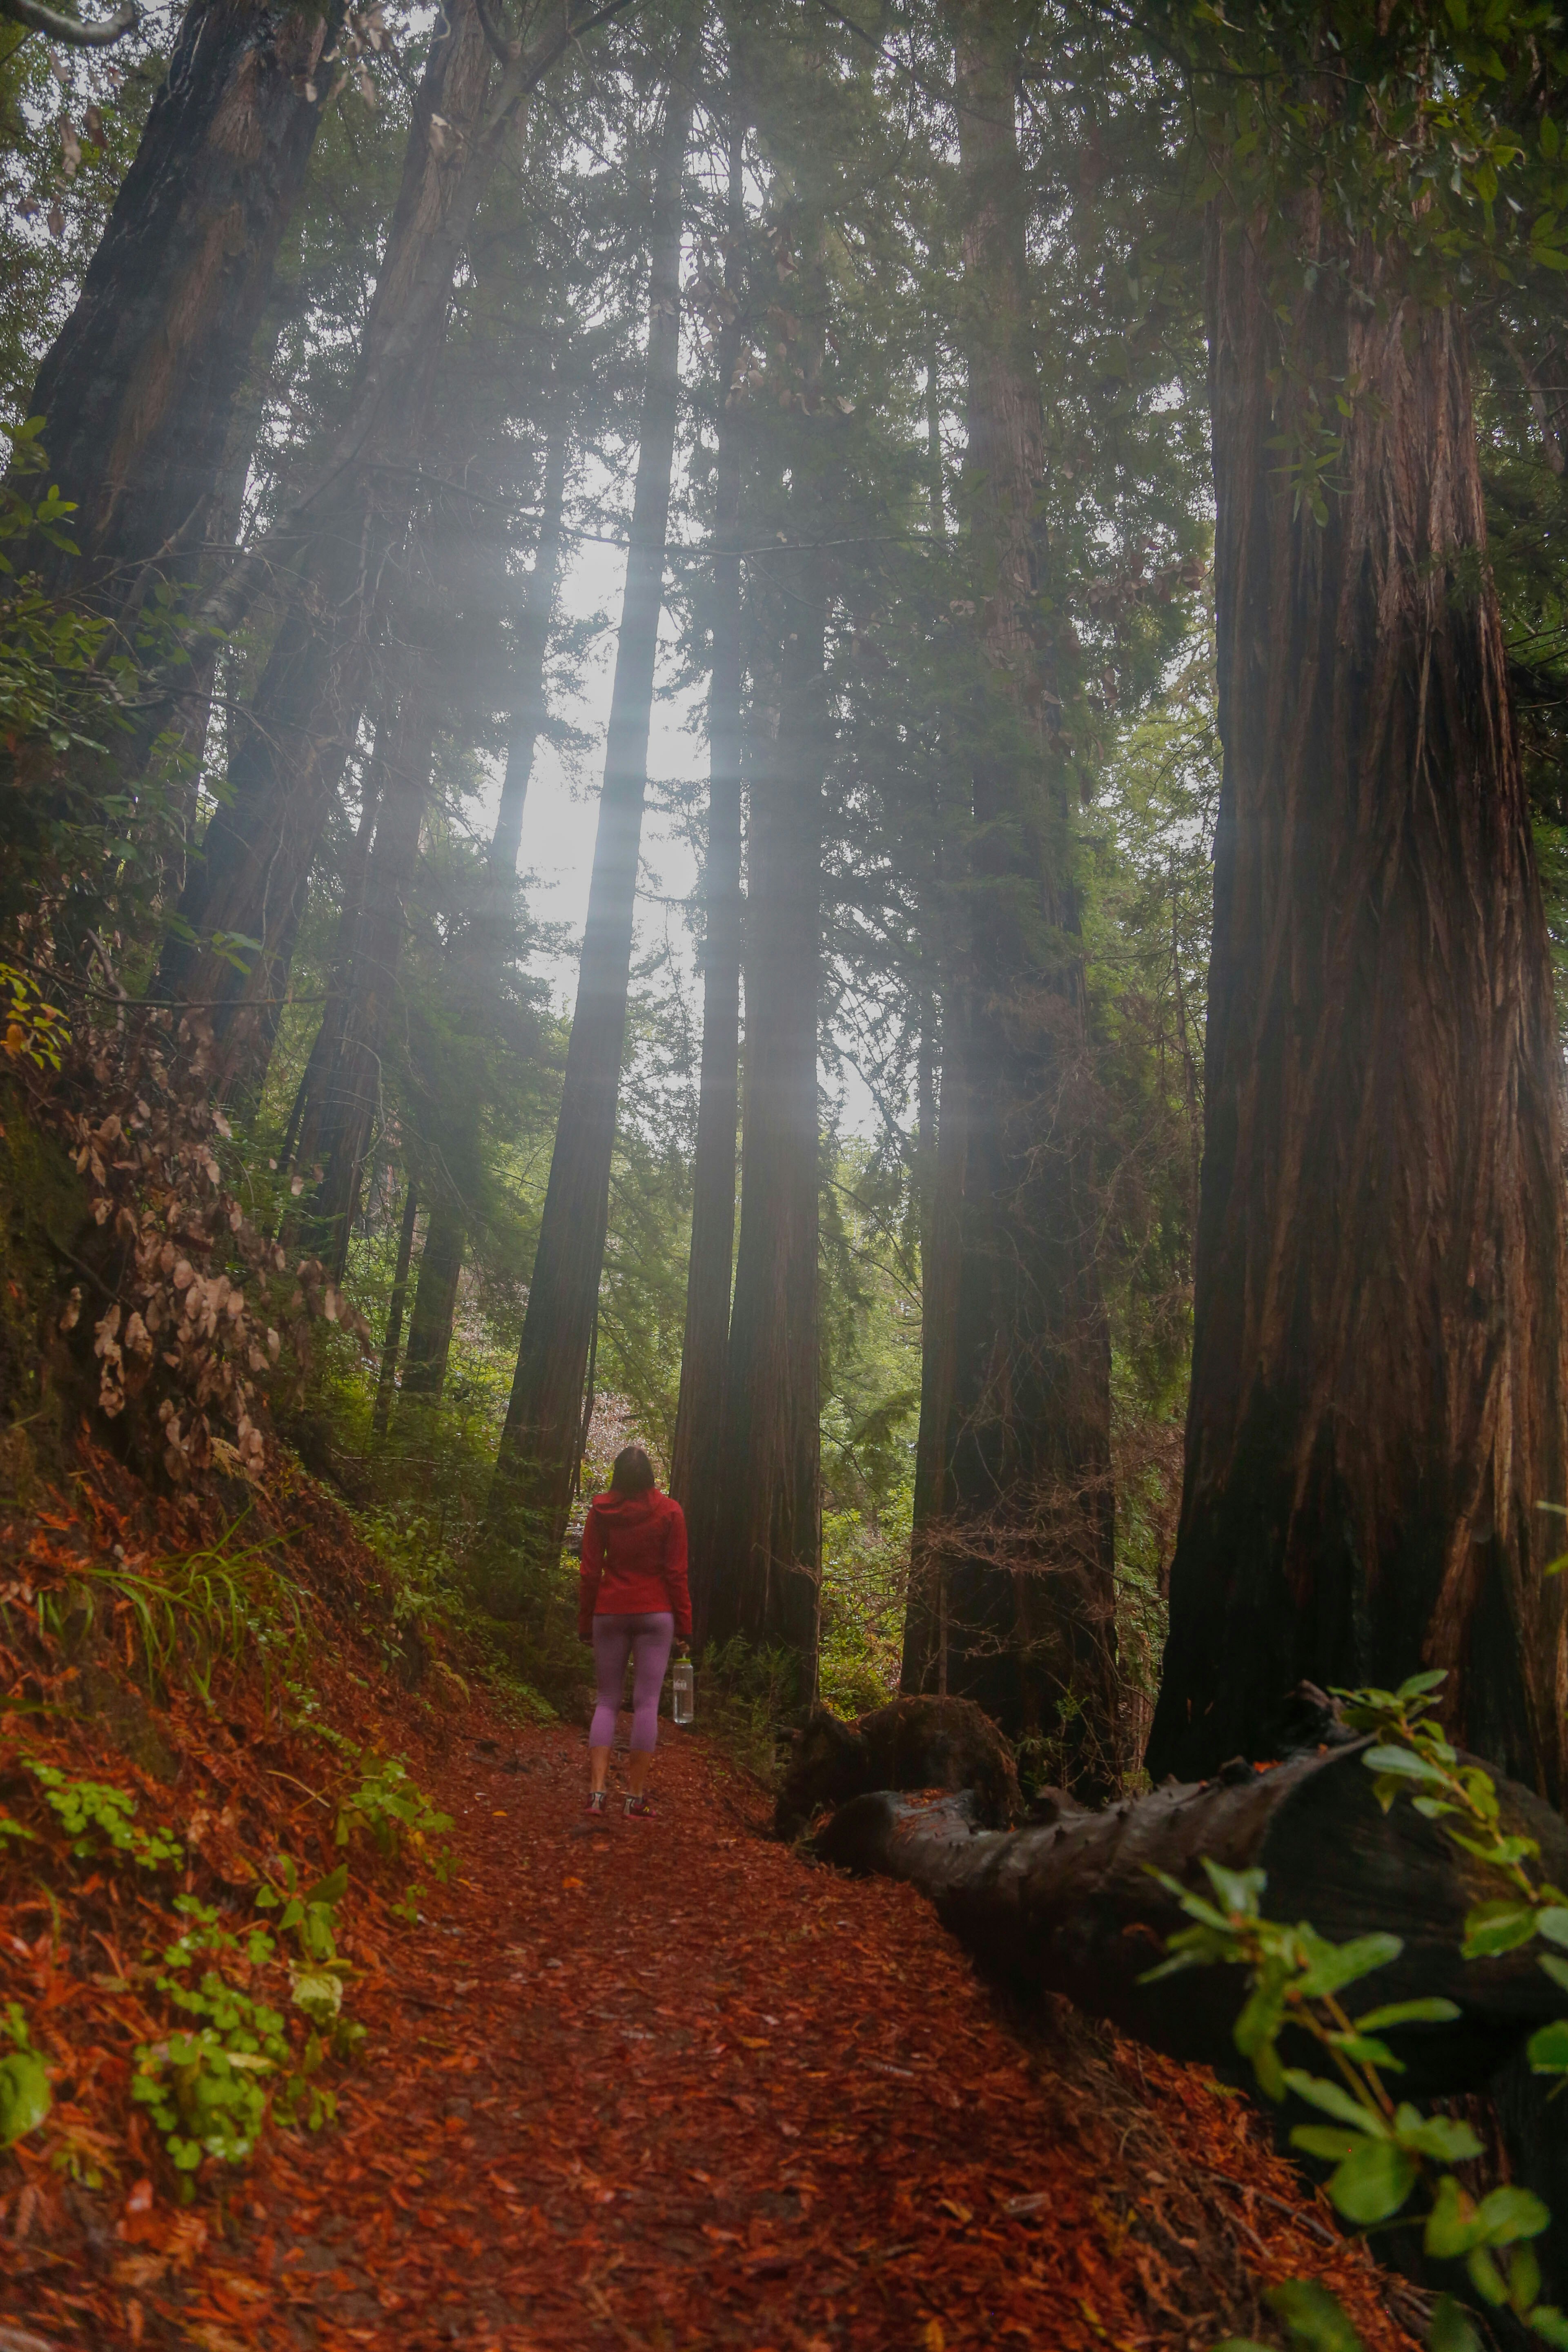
(632,1602)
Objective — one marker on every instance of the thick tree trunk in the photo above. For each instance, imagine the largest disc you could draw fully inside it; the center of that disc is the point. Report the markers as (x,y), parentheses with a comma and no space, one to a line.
(434,1304)
(1378,1388)
(540,1443)
(340,1117)
(527,710)
(697,1467)
(137,391)
(386,1379)
(1030,1586)
(1073,1909)
(767,1554)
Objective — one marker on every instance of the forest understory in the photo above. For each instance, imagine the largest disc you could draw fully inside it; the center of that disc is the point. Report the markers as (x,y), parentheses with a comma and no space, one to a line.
(661,2083)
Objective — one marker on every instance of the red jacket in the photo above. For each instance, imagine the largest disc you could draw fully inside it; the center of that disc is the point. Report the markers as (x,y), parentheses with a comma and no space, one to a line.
(634,1561)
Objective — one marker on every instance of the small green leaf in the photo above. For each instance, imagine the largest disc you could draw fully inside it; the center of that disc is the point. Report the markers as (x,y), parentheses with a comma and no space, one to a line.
(1408,2013)
(1550,2323)
(1403,1761)
(1485,2276)
(331,1889)
(1451,2330)
(25,2096)
(1495,1927)
(1547,2049)
(1373,2181)
(1333,2145)
(1335,2102)
(1317,2320)
(1523,2277)
(1442,2137)
(1553,1923)
(1555,1968)
(1508,2214)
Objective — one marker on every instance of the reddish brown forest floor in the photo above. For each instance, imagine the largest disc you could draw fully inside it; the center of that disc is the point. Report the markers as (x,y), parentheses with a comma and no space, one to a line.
(659,2083)
(663,2084)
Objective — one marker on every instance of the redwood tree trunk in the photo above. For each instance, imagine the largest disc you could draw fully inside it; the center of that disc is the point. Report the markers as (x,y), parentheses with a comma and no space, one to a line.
(435,1303)
(340,1117)
(697,1467)
(1029,1587)
(767,1555)
(541,1441)
(1378,1371)
(386,1380)
(137,391)
(528,711)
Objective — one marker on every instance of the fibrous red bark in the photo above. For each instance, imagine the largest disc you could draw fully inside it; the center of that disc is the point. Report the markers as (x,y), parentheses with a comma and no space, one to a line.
(1029,1541)
(1378,1395)
(137,392)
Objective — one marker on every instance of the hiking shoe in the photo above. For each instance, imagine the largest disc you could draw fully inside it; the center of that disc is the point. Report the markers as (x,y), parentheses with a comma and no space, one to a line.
(596,1803)
(641,1809)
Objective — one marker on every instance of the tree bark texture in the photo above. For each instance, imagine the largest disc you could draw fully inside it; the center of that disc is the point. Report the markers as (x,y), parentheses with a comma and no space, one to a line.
(386,1378)
(435,1303)
(697,1468)
(537,613)
(1071,1908)
(340,1117)
(768,1547)
(138,390)
(541,1441)
(1377,1401)
(1027,1449)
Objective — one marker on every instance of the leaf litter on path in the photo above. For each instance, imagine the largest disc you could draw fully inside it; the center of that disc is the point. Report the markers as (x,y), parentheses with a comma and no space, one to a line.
(653,2084)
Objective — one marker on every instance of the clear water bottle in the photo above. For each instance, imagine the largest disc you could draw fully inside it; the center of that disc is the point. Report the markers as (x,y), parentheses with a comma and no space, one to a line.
(683,1691)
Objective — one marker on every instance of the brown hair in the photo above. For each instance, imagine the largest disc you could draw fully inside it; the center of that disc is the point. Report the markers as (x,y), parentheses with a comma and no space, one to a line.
(633,1473)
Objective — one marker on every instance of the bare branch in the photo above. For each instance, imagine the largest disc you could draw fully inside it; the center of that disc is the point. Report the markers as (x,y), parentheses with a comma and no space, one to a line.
(39,19)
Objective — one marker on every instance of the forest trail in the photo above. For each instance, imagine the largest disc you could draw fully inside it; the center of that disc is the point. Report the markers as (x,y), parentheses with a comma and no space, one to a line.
(665,2084)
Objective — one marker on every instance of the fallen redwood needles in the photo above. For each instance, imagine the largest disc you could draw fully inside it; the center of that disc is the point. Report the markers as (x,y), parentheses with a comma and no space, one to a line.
(658,2084)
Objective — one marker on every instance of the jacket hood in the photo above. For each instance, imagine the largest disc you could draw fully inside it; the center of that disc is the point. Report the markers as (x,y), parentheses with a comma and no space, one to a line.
(627,1506)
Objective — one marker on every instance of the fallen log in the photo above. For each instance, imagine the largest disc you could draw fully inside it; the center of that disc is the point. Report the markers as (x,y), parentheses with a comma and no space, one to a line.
(912,1743)
(1071,1907)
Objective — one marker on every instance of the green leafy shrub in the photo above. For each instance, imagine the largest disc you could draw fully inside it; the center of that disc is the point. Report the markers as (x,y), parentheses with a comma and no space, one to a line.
(96,1818)
(395,1811)
(1386,2151)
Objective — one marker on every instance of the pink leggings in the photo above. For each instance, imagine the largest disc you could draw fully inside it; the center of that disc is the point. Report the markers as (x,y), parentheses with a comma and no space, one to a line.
(647,1639)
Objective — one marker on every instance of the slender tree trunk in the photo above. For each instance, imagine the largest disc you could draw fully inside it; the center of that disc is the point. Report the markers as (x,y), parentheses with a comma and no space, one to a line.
(386,1379)
(336,543)
(137,391)
(539,1445)
(768,1548)
(340,1119)
(435,1303)
(345,946)
(943,1158)
(441,1260)
(527,710)
(1030,1587)
(697,1467)
(1378,1393)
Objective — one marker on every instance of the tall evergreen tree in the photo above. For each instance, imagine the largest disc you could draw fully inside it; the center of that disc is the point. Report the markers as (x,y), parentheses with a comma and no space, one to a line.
(541,1439)
(1379,1392)
(1030,1599)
